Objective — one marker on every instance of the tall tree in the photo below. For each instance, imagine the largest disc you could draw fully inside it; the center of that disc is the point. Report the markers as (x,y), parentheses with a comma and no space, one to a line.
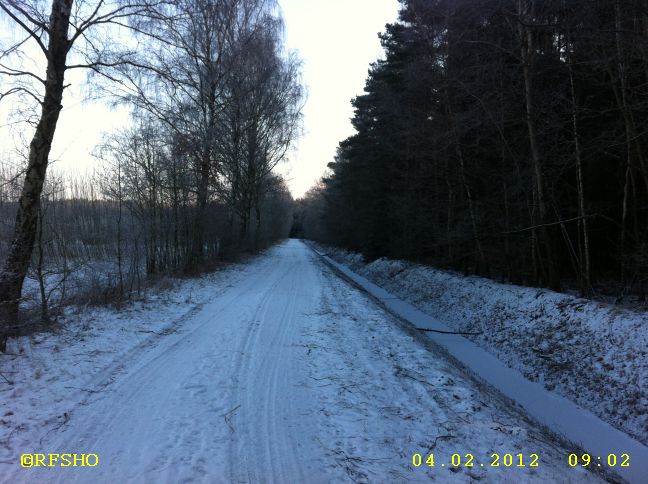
(73,31)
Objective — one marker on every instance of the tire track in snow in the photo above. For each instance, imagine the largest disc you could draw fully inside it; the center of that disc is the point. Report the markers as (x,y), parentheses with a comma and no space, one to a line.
(265,449)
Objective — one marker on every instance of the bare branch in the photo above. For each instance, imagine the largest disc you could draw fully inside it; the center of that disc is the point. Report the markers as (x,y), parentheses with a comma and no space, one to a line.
(16,90)
(39,23)
(8,71)
(32,33)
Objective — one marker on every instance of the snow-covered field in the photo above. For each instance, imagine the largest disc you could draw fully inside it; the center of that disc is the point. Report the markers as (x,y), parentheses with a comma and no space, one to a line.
(272,371)
(592,353)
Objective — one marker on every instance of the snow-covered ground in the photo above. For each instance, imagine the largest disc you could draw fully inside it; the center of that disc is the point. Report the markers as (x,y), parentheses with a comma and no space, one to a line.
(591,353)
(272,371)
(82,279)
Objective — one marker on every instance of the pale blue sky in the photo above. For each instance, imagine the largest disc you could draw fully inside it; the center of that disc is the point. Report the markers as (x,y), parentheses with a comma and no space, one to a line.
(337,40)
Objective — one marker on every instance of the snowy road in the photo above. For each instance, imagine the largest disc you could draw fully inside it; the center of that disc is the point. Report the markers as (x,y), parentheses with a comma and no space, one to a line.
(291,375)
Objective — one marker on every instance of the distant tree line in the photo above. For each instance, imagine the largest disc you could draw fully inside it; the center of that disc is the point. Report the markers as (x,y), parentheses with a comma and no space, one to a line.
(506,138)
(216,104)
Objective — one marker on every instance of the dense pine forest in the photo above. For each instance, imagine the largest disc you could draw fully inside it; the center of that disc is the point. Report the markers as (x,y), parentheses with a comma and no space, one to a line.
(505,138)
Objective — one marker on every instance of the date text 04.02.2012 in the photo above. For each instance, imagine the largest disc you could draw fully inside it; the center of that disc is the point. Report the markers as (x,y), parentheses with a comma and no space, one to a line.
(468,460)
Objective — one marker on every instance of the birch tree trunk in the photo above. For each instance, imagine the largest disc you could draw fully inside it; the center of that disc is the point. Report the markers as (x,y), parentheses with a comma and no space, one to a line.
(17,263)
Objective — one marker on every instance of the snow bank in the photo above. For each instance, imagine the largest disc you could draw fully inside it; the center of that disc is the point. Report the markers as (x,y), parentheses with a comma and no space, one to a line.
(591,353)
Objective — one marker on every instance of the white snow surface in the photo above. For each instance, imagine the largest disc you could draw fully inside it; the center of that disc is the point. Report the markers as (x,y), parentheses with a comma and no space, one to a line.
(275,370)
(592,353)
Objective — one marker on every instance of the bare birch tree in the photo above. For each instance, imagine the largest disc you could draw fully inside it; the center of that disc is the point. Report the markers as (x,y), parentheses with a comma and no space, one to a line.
(68,35)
